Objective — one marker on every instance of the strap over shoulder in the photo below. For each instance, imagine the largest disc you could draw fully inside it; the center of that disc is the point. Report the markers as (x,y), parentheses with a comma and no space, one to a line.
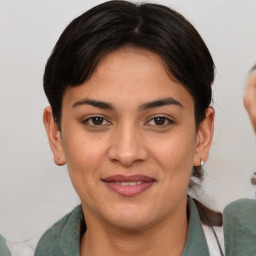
(215,240)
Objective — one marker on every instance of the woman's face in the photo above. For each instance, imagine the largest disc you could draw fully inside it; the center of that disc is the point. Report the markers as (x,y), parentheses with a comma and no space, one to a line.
(128,137)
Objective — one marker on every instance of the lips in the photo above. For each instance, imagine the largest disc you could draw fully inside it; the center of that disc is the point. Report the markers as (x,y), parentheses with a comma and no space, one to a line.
(128,185)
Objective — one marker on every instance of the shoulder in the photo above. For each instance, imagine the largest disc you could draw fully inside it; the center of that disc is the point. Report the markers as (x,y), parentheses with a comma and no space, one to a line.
(239,220)
(241,204)
(63,234)
(242,211)
(3,247)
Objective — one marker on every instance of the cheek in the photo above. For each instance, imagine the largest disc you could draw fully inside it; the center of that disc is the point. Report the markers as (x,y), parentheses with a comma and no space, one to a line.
(176,163)
(175,153)
(83,160)
(83,154)
(81,147)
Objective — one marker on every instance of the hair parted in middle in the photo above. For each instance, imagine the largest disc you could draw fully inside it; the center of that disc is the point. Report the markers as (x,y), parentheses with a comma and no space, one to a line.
(115,24)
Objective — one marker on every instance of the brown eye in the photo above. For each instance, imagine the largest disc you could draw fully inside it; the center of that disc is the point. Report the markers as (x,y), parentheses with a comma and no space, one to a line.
(160,120)
(97,120)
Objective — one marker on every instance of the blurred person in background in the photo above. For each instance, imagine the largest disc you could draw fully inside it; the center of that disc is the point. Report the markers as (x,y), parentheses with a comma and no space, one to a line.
(239,217)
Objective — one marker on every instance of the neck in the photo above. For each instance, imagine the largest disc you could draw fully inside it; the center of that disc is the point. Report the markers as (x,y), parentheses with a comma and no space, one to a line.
(165,238)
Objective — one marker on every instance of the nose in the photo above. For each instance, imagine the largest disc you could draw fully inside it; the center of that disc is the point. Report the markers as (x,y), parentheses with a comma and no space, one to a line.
(127,146)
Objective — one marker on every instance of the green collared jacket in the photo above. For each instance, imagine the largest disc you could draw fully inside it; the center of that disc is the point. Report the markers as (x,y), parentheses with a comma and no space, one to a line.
(239,221)
(63,238)
(4,251)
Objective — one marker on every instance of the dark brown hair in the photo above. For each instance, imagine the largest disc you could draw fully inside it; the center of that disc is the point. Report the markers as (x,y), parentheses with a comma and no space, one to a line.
(253,68)
(208,216)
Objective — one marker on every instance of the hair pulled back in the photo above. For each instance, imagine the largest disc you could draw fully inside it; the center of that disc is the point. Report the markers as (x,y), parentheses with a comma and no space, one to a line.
(115,24)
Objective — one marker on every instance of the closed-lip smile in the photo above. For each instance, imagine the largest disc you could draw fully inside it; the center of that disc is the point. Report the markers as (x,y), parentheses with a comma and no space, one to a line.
(128,185)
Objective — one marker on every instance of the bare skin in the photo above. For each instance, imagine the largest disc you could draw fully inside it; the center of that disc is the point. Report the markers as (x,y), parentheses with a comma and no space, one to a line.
(250,98)
(127,133)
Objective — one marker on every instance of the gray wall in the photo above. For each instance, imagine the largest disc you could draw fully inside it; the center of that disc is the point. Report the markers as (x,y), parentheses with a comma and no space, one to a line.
(34,192)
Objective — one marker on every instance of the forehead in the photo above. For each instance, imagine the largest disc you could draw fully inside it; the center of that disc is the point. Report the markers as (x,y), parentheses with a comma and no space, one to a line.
(130,55)
(130,75)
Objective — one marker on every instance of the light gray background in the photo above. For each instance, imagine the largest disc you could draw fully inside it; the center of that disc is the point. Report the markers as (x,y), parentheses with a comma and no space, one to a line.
(34,193)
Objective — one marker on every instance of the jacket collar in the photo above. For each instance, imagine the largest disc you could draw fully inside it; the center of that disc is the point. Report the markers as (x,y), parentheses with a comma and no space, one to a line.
(196,243)
(75,226)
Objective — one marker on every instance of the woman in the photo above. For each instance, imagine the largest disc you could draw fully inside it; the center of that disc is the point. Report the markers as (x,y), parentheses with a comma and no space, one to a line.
(130,87)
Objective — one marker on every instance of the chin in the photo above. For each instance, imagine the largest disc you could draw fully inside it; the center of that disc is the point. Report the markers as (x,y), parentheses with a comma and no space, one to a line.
(131,219)
(131,224)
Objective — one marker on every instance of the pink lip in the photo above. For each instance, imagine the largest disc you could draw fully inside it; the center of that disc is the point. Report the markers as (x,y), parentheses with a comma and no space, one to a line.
(113,183)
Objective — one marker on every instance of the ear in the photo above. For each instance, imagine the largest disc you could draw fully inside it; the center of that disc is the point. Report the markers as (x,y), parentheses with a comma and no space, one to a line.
(54,137)
(204,137)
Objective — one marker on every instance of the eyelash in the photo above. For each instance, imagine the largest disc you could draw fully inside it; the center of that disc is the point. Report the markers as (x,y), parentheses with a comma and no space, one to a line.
(167,121)
(93,118)
(104,122)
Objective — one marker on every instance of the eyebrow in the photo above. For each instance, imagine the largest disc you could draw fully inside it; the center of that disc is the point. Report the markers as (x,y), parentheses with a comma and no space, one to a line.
(94,103)
(145,106)
(160,103)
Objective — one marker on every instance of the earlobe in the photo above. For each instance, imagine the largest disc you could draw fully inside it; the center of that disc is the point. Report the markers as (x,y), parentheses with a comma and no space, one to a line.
(204,137)
(54,136)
